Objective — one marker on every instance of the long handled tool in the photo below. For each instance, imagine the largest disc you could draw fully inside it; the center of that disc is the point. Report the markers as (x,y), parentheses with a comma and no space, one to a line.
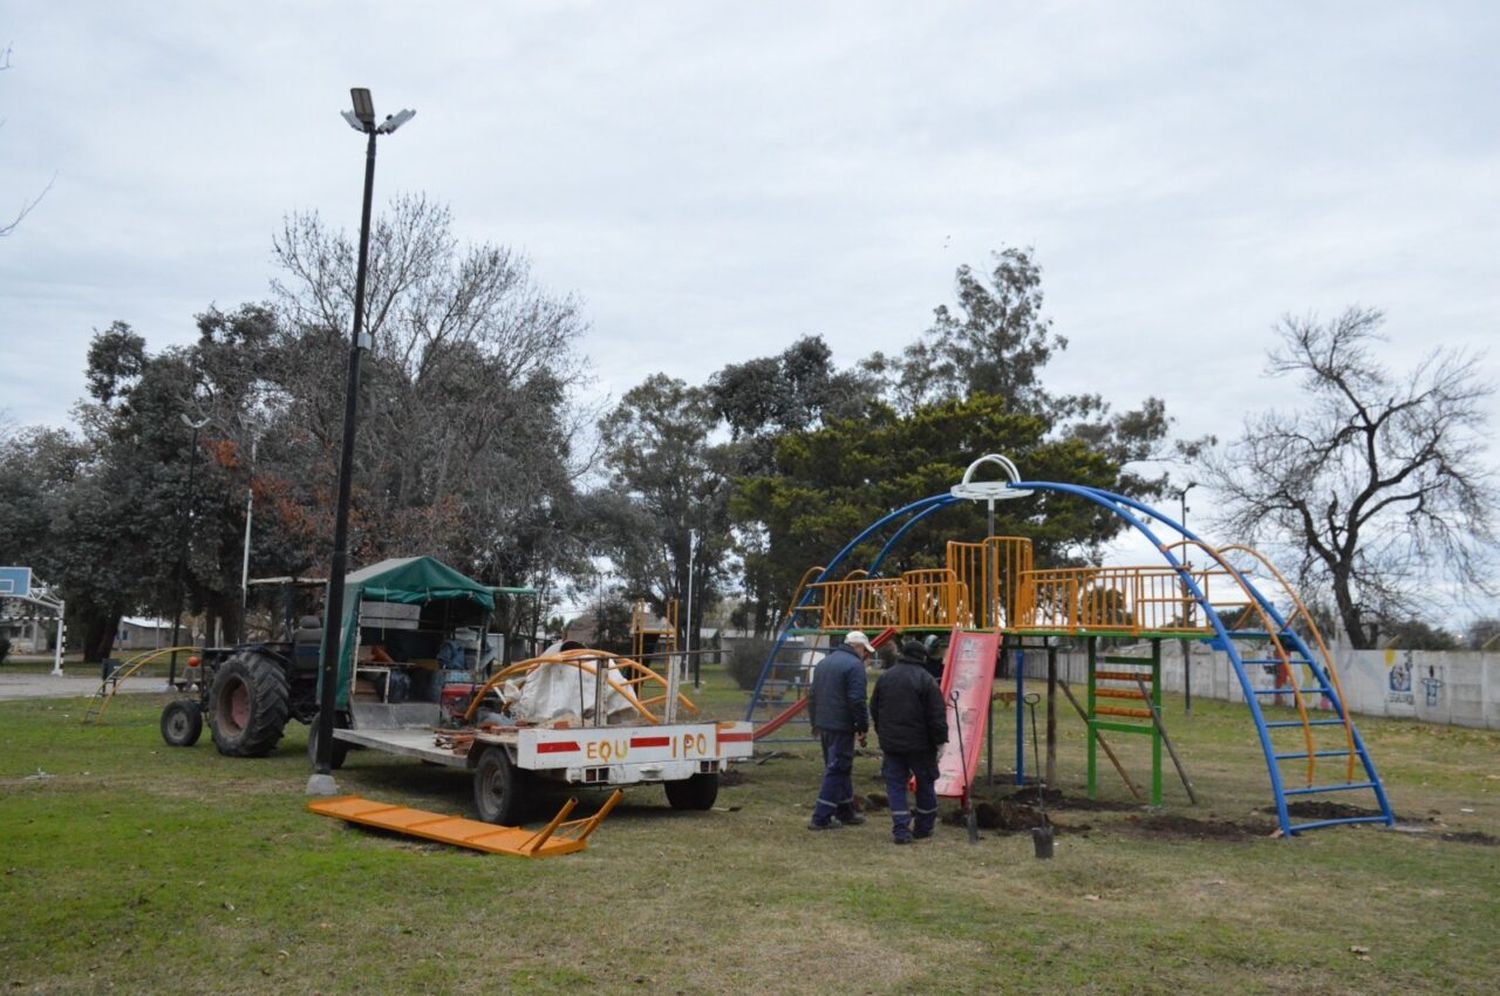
(970,819)
(1041,837)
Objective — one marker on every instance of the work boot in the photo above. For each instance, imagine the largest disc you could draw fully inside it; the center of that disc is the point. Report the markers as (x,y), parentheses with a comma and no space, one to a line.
(901,839)
(834,823)
(854,819)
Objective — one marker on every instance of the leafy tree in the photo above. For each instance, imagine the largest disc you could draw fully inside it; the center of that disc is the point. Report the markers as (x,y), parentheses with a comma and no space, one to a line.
(1483,634)
(763,398)
(1415,634)
(668,481)
(995,342)
(1376,486)
(830,483)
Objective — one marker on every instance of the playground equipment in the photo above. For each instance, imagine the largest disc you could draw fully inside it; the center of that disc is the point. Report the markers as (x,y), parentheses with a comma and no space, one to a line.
(993,587)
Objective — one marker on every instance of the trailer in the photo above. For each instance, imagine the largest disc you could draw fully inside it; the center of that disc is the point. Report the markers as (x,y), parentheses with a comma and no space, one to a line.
(517,740)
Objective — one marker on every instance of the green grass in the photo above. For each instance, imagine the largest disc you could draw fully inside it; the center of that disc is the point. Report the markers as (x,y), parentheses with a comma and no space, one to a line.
(139,867)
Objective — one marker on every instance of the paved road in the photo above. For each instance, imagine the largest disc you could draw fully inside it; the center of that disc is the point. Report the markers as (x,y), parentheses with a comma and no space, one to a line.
(24,685)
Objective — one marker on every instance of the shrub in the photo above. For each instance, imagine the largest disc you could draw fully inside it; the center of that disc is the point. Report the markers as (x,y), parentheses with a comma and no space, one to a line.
(746,658)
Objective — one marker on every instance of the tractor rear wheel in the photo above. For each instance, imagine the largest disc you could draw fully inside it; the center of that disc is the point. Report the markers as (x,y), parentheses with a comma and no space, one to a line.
(181,723)
(696,792)
(248,705)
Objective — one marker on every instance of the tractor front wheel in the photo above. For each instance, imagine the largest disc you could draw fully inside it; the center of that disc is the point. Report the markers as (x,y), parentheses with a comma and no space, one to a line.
(181,723)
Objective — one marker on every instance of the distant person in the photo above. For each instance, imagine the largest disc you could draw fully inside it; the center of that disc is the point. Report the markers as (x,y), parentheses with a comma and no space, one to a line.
(932,656)
(837,710)
(4,647)
(912,725)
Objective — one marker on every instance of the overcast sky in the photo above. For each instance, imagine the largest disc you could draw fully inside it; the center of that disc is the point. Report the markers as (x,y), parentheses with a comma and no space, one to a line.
(713,180)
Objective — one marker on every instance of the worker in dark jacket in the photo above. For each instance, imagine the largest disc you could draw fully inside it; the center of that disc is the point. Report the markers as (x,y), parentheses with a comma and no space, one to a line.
(836,708)
(912,725)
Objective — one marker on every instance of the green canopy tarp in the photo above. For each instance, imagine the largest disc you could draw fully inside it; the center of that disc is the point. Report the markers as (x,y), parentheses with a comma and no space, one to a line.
(409,581)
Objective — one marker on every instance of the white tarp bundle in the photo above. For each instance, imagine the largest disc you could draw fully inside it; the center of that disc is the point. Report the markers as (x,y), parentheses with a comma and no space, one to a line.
(555,690)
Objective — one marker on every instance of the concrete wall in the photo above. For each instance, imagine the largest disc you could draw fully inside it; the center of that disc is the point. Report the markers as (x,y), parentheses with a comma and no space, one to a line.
(1461,688)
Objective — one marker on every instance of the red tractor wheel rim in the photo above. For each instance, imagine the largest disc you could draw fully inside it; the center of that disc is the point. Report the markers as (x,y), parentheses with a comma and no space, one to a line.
(239,706)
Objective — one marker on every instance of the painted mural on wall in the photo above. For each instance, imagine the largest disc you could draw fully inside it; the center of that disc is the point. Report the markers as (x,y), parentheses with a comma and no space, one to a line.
(1398,696)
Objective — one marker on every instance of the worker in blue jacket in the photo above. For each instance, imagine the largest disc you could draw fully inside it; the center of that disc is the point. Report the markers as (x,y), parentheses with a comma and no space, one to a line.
(912,726)
(837,710)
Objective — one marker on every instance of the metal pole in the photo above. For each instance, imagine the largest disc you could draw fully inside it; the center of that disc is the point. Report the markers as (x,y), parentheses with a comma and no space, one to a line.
(687,636)
(321,782)
(57,653)
(1187,563)
(245,563)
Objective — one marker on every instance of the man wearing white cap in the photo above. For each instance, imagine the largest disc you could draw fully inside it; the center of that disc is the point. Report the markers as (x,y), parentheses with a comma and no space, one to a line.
(838,713)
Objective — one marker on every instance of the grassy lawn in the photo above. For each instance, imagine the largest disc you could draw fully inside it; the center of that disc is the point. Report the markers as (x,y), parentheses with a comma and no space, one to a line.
(129,865)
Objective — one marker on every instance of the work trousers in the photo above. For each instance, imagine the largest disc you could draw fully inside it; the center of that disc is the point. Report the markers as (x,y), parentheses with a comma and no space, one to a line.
(836,794)
(921,766)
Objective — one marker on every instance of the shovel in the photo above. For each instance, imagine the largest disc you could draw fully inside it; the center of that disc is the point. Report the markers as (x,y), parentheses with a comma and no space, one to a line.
(970,819)
(1041,837)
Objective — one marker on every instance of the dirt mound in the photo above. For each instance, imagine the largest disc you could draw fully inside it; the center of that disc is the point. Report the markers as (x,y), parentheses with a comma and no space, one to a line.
(1186,826)
(1007,816)
(1324,810)
(733,776)
(1471,837)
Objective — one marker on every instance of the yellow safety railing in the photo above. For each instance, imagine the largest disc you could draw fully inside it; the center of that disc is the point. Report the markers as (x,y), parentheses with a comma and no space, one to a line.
(932,598)
(993,572)
(1125,600)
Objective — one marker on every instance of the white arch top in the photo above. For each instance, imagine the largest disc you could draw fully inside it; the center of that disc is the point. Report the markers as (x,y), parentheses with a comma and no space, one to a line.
(990,490)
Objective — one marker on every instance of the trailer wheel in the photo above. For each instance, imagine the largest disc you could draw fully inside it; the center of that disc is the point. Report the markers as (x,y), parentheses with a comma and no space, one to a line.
(697,792)
(340,747)
(181,723)
(248,705)
(497,788)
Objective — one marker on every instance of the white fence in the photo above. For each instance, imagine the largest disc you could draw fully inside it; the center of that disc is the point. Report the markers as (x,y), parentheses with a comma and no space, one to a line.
(1461,688)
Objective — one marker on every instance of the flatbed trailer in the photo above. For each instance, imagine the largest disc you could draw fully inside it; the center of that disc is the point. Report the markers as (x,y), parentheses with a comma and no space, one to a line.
(512,765)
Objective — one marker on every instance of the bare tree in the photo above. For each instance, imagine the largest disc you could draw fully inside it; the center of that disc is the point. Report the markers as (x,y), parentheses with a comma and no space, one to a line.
(470,410)
(1378,486)
(10,226)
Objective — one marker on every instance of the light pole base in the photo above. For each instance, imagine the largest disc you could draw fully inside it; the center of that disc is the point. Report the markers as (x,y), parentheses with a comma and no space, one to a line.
(321,785)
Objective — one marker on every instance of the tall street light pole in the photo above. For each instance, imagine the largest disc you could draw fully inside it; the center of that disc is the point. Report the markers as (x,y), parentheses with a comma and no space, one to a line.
(320,782)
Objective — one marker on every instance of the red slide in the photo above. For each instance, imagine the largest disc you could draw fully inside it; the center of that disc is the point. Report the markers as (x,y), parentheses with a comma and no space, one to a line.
(970,671)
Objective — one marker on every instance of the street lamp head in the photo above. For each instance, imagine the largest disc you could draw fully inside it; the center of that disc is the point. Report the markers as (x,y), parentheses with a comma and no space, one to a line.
(394,121)
(364,107)
(353,121)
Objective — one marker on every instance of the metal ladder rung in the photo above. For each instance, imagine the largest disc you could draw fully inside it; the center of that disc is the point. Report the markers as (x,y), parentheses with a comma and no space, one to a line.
(1317,753)
(1315,789)
(1311,722)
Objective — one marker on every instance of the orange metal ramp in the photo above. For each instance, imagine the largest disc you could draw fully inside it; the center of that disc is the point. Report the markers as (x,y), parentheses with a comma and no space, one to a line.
(559,836)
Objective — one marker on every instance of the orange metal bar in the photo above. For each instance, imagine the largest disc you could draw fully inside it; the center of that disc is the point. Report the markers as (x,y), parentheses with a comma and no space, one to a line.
(1116,711)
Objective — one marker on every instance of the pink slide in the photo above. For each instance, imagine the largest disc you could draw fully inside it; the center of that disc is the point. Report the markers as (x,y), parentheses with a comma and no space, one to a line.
(970,671)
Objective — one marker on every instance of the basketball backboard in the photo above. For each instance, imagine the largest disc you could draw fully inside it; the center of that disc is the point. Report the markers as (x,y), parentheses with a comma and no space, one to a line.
(15,582)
